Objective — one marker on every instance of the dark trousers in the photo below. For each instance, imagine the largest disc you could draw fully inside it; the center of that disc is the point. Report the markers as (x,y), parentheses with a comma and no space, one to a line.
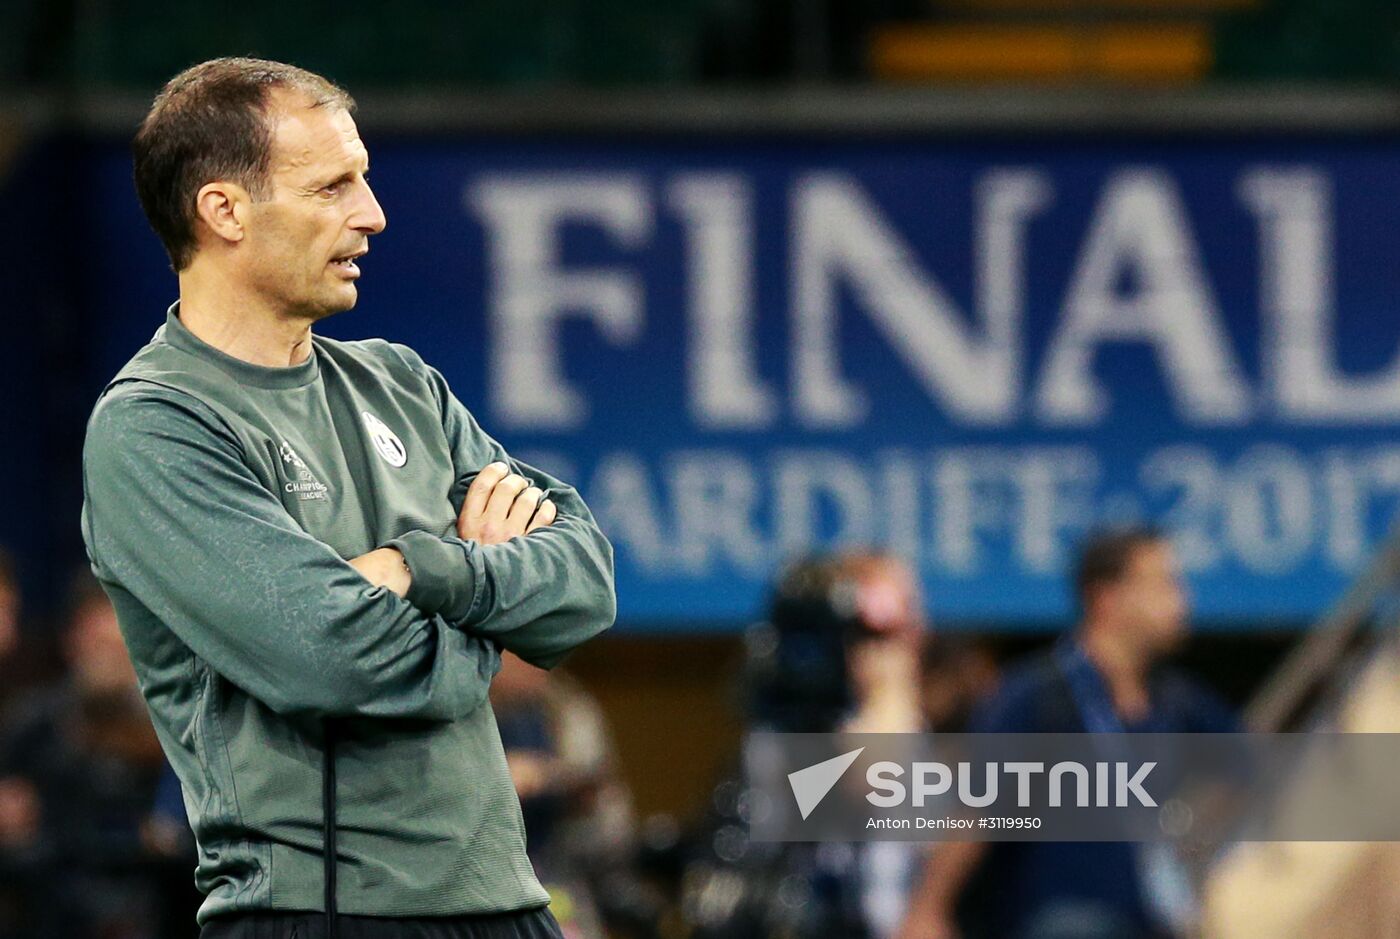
(526,924)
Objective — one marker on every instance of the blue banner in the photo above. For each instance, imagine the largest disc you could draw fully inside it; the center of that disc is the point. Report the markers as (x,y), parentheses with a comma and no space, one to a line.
(969,353)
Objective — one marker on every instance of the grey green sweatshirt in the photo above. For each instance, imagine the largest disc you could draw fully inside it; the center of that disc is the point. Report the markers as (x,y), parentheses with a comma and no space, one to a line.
(221,501)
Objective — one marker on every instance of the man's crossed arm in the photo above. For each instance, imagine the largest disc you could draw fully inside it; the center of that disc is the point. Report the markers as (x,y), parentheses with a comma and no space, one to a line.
(500,505)
(538,596)
(175,520)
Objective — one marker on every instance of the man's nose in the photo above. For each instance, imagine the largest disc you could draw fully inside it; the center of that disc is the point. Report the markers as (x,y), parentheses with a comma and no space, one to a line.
(369,218)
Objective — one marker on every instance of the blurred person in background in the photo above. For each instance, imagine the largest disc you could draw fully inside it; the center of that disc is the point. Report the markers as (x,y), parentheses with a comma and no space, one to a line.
(89,761)
(840,652)
(21,850)
(19,803)
(958,675)
(1107,676)
(579,824)
(9,630)
(26,660)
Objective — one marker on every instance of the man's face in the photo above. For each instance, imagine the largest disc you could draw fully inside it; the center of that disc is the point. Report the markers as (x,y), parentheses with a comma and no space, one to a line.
(1149,600)
(95,650)
(302,240)
(885,654)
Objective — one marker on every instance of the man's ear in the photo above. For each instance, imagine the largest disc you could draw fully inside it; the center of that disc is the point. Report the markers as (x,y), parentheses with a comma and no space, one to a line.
(222,207)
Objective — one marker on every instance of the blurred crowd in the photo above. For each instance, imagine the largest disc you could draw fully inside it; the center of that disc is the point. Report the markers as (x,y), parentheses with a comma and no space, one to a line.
(92,834)
(93,839)
(842,652)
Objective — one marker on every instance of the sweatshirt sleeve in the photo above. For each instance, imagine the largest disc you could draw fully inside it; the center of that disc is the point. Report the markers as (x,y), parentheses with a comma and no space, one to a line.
(540,595)
(174,515)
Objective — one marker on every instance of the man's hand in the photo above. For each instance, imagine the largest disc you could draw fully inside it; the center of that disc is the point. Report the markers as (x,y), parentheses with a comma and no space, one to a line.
(501,505)
(384,567)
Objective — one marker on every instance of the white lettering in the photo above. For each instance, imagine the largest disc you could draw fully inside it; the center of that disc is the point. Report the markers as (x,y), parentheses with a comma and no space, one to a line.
(924,789)
(1140,228)
(1023,771)
(1134,785)
(528,293)
(883,777)
(725,391)
(838,234)
(802,480)
(1081,778)
(1296,280)
(988,796)
(625,505)
(716,497)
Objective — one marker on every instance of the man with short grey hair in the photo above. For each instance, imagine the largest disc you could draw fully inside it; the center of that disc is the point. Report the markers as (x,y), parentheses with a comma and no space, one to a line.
(315,553)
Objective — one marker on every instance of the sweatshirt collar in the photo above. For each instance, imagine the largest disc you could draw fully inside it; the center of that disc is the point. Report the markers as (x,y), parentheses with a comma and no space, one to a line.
(261,376)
